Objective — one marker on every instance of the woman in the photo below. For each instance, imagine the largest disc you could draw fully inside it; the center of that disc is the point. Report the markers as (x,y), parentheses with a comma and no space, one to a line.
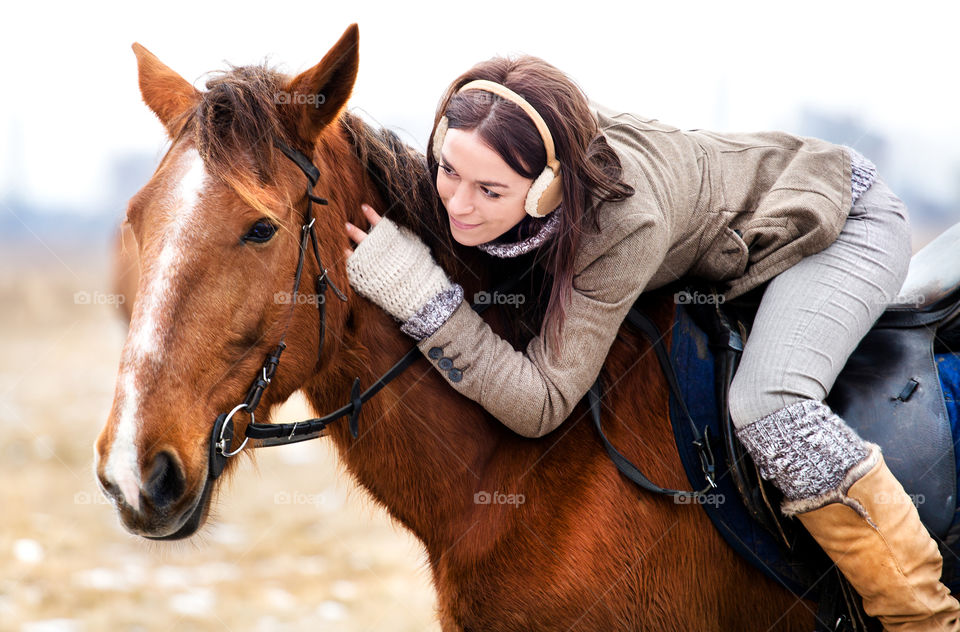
(619,204)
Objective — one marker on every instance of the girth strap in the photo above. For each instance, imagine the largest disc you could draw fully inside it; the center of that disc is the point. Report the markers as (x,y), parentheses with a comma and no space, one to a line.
(726,339)
(701,441)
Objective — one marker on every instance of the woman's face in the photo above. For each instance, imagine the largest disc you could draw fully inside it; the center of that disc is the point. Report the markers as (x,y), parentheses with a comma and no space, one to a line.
(483,196)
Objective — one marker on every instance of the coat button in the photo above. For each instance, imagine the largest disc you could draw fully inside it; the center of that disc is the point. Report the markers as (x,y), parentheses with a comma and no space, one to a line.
(435,352)
(455,375)
(445,363)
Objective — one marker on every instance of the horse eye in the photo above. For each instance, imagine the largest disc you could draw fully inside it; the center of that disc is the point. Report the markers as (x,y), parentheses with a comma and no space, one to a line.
(260,232)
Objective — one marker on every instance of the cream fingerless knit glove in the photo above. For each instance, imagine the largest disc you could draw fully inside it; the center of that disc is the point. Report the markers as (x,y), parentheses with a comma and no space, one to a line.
(393,268)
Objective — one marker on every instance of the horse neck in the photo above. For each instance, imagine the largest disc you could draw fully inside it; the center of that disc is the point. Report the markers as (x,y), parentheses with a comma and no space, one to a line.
(420,448)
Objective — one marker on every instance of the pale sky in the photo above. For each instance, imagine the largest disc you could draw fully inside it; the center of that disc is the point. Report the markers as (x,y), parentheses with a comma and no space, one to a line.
(70,84)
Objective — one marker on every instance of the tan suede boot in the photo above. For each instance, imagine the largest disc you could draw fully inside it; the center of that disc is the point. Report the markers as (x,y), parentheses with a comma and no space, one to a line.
(874,535)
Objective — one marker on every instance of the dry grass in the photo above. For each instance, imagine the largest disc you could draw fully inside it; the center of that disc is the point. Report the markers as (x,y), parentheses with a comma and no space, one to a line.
(294,546)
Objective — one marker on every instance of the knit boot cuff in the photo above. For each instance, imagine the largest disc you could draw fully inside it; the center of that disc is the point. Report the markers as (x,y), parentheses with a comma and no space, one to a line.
(839,493)
(804,448)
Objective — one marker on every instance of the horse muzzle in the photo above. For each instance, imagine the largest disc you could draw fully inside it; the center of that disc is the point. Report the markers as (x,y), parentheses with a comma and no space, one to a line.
(165,509)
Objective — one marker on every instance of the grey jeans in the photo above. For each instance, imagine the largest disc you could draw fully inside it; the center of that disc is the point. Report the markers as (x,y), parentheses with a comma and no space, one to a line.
(814,314)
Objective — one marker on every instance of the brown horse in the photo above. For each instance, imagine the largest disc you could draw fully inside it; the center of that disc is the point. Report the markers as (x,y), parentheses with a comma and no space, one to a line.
(569,545)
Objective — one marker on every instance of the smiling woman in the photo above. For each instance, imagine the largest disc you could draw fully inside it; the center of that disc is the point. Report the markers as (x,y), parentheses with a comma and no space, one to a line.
(495,159)
(808,221)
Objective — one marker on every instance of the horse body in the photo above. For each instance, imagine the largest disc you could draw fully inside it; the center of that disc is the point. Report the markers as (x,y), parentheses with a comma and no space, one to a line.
(520,534)
(571,544)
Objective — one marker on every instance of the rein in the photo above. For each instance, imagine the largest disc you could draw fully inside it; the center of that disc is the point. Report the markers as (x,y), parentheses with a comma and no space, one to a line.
(268,435)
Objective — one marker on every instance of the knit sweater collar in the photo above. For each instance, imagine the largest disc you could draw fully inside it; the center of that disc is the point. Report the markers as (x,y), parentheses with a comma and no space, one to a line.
(529,233)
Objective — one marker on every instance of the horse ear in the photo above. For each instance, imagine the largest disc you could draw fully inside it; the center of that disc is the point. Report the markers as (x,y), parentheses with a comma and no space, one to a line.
(316,97)
(165,92)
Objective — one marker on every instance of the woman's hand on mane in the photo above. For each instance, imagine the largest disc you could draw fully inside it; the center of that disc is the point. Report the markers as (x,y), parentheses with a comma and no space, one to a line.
(355,233)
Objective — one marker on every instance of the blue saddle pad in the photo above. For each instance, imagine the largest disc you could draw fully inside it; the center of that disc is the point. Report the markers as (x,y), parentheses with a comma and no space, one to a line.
(948,368)
(694,364)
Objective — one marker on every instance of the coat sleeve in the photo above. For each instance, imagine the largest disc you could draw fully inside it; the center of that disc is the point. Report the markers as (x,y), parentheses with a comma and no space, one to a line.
(533,392)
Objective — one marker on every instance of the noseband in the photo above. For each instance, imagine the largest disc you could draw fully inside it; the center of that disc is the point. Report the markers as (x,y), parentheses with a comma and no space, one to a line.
(268,435)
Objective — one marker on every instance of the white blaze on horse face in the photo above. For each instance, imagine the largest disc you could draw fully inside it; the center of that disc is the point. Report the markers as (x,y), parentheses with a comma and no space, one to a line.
(122,466)
(144,346)
(148,331)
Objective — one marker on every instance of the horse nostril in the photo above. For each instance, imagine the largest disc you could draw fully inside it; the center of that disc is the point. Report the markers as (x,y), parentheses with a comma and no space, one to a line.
(166,483)
(110,489)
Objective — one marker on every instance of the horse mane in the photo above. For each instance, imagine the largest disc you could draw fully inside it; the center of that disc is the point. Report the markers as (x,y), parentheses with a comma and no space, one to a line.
(400,175)
(234,126)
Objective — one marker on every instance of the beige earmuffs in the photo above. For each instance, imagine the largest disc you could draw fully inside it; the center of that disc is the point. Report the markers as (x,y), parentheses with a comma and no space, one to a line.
(545,192)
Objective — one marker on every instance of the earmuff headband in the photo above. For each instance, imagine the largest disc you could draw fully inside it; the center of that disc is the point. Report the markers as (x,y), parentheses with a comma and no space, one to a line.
(508,94)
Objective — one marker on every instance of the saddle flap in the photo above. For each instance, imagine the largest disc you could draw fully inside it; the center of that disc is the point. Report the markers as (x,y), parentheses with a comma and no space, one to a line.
(890,393)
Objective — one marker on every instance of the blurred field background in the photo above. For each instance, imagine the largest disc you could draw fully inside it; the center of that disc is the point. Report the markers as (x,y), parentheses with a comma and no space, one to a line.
(293,545)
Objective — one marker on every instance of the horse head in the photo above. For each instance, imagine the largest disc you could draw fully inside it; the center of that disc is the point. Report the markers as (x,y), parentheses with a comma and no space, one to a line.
(218,230)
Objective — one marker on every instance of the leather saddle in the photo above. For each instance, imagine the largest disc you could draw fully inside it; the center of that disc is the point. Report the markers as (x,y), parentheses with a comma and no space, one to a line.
(889,390)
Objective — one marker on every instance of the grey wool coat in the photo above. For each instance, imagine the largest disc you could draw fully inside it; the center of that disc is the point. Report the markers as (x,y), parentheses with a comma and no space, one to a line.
(733,208)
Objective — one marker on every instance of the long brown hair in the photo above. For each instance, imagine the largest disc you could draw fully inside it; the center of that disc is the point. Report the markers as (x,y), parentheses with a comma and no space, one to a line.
(589,167)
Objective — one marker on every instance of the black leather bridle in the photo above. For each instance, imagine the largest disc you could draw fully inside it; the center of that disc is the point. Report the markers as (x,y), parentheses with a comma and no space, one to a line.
(223,428)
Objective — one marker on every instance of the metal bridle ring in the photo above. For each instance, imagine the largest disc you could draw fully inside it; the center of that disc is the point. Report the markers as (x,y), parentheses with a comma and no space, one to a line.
(220,443)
